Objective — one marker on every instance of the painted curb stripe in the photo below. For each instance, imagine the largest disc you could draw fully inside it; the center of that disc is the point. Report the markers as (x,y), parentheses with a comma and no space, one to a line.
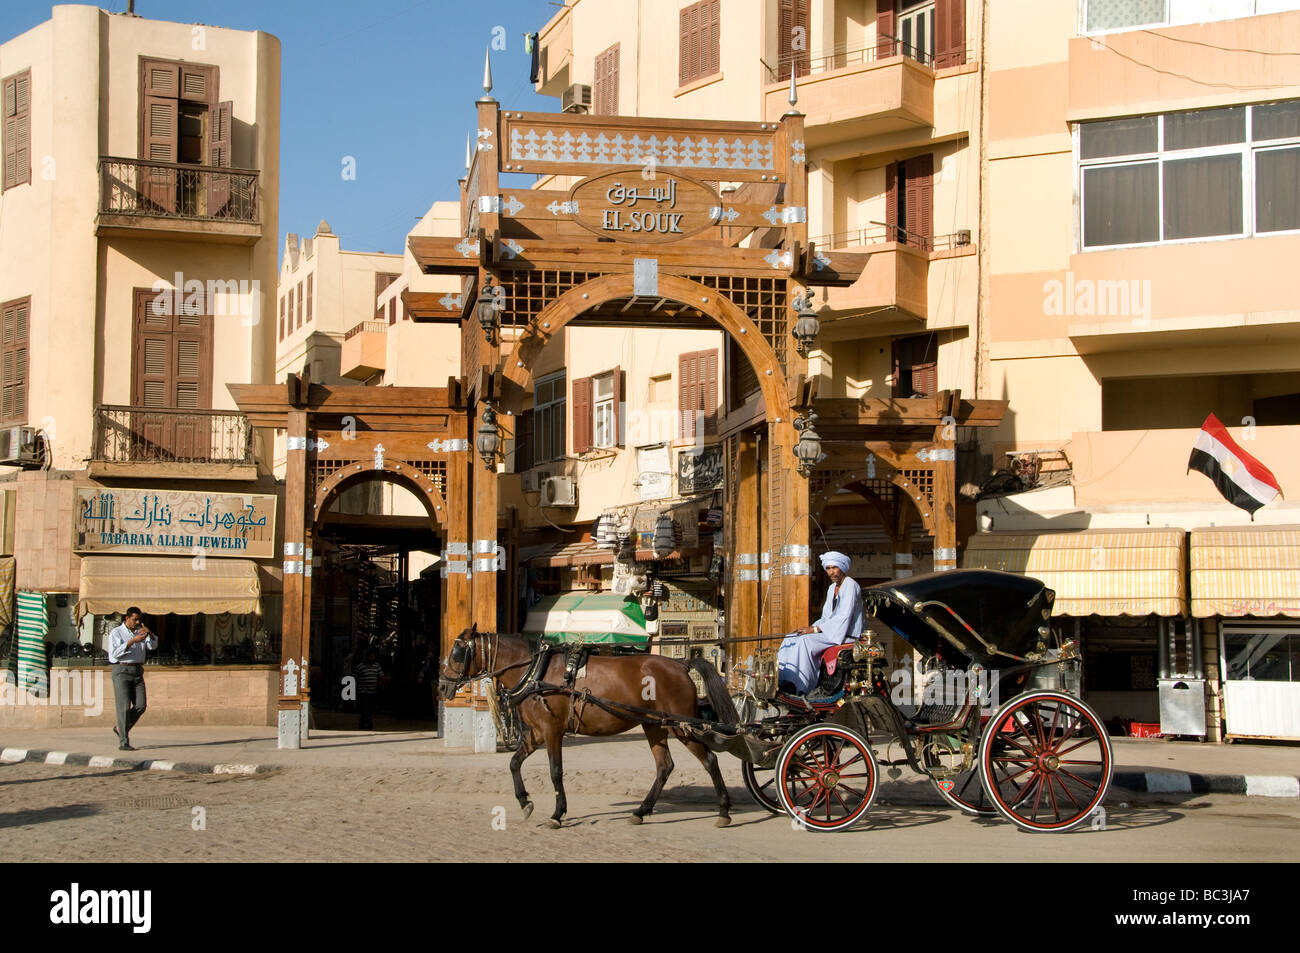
(13,754)
(17,755)
(234,769)
(160,765)
(100,761)
(1168,782)
(56,757)
(1266,786)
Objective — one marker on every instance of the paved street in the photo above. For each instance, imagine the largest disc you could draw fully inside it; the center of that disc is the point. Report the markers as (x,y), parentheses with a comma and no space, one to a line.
(446,811)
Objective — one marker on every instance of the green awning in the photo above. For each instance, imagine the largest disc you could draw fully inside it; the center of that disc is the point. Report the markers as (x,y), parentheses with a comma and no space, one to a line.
(587,617)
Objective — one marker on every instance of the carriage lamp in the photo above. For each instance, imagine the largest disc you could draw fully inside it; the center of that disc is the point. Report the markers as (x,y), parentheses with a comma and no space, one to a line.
(809,448)
(488,440)
(807,327)
(489,309)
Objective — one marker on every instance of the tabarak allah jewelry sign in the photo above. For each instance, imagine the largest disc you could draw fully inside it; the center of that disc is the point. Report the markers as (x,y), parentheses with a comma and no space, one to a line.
(167,522)
(664,208)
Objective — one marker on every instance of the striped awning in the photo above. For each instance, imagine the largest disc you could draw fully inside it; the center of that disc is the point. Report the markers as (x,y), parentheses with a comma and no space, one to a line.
(33,629)
(163,584)
(1103,572)
(1240,571)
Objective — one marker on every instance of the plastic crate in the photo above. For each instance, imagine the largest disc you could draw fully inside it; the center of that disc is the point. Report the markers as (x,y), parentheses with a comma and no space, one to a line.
(1144,729)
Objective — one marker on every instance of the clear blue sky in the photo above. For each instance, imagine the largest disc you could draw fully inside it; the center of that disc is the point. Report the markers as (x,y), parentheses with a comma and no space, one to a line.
(390,82)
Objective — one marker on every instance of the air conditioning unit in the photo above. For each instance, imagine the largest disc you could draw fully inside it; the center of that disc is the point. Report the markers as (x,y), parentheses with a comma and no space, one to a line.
(531,480)
(560,491)
(577,99)
(19,446)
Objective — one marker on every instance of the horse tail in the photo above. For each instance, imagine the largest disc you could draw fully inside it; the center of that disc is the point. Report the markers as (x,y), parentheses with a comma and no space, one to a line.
(715,689)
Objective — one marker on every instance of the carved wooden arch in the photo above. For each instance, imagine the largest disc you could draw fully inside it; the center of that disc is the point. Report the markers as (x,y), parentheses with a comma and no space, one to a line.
(517,367)
(399,472)
(907,489)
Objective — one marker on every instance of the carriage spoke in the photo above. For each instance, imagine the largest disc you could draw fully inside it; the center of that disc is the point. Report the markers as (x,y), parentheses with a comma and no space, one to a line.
(854,791)
(1051,793)
(1066,788)
(1075,747)
(1038,797)
(1071,732)
(847,810)
(1075,777)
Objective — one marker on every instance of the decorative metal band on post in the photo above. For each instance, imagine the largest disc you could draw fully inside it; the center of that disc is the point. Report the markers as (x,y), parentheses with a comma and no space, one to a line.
(747,567)
(455,566)
(488,556)
(945,558)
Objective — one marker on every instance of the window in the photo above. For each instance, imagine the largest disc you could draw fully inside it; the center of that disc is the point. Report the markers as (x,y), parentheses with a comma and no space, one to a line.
(793,20)
(909,201)
(916,366)
(382,280)
(182,121)
(596,411)
(18,129)
(172,370)
(1096,16)
(13,361)
(290,310)
(604,90)
(932,32)
(1206,173)
(282,317)
(698,44)
(300,304)
(1262,656)
(603,419)
(309,297)
(916,29)
(548,418)
(697,393)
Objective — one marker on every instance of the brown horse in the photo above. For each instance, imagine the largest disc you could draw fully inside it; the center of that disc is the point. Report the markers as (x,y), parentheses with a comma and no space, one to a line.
(640,681)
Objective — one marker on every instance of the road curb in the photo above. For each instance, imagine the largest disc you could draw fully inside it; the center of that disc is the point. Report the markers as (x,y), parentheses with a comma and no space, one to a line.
(1180,782)
(14,755)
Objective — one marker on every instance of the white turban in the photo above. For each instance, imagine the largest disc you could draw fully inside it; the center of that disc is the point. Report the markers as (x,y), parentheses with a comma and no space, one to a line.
(838,560)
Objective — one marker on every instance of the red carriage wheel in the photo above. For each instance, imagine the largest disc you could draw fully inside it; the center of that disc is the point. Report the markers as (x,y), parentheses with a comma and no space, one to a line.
(826,777)
(1047,766)
(761,785)
(965,791)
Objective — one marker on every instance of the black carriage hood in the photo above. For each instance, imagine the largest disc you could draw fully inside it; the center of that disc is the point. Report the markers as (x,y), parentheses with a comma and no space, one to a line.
(1004,609)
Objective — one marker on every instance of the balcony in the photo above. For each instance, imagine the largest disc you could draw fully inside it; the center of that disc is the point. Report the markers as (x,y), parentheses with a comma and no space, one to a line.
(365,350)
(140,198)
(894,285)
(164,443)
(855,92)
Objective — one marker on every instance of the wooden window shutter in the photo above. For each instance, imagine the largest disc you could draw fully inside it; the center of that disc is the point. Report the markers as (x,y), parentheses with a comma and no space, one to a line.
(886,44)
(925,365)
(282,318)
(711,30)
(160,141)
(920,200)
(899,351)
(583,437)
(683,45)
(524,441)
(708,364)
(10,133)
(290,310)
(604,95)
(309,297)
(891,202)
(950,33)
(17,129)
(793,14)
(617,376)
(198,84)
(688,392)
(220,119)
(13,361)
(301,304)
(161,78)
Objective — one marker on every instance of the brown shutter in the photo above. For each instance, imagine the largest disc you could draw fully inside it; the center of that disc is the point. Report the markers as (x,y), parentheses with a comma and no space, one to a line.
(161,79)
(891,202)
(13,361)
(220,118)
(950,33)
(582,415)
(791,15)
(160,143)
(17,129)
(711,28)
(688,392)
(10,133)
(309,297)
(198,84)
(290,310)
(925,365)
(282,318)
(301,304)
(886,44)
(618,406)
(708,378)
(604,95)
(920,184)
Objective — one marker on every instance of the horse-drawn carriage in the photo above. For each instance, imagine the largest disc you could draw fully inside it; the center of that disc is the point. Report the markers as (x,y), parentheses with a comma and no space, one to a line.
(996,731)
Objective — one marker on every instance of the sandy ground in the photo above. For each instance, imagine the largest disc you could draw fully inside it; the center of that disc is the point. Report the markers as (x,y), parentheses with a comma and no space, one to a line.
(459,808)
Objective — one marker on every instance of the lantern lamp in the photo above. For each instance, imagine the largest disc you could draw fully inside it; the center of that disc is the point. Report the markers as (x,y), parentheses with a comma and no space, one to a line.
(489,309)
(809,448)
(488,440)
(806,329)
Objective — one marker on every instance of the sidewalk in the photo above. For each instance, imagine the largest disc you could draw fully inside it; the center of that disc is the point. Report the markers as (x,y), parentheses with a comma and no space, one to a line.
(1152,766)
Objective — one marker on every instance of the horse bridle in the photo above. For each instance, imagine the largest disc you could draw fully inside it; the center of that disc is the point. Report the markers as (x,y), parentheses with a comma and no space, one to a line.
(462,653)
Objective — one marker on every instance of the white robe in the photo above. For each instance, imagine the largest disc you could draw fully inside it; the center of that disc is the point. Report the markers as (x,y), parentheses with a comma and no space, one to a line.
(799,657)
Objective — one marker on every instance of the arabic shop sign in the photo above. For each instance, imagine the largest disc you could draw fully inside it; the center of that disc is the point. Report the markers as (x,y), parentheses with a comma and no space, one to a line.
(167,522)
(661,208)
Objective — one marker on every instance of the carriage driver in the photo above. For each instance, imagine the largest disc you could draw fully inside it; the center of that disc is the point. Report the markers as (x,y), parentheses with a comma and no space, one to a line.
(800,655)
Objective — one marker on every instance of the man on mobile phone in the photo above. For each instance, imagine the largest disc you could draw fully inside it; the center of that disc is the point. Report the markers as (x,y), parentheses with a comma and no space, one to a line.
(126,651)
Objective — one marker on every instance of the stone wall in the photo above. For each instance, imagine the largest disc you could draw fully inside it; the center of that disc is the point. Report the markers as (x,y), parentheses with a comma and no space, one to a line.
(190,695)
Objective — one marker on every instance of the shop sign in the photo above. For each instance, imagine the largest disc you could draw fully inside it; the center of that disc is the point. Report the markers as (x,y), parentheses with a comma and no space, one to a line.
(699,471)
(662,207)
(177,523)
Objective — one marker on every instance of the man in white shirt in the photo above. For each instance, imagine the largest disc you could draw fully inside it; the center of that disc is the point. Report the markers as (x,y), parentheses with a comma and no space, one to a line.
(126,652)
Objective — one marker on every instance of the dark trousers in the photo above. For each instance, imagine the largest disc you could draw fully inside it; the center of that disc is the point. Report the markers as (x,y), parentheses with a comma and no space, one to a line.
(366,708)
(129,696)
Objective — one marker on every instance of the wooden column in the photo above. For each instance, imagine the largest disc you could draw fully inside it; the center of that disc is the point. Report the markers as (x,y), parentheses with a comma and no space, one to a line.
(945,498)
(791,555)
(745,589)
(289,707)
(456,614)
(483,542)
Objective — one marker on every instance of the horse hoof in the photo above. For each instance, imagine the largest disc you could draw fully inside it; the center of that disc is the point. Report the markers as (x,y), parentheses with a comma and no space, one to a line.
(722,822)
(528,810)
(635,819)
(552,823)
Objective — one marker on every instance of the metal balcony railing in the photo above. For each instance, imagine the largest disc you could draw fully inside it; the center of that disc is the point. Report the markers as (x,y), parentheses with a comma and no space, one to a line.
(838,57)
(880,234)
(371,326)
(156,435)
(177,191)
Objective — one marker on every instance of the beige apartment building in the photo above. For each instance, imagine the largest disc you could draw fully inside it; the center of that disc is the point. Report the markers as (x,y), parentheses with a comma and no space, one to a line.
(1084,207)
(138,224)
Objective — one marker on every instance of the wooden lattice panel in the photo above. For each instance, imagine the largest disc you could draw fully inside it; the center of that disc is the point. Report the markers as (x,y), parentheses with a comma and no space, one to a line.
(919,485)
(764,300)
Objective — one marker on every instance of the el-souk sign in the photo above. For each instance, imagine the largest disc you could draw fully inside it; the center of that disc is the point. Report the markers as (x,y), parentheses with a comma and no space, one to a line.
(663,208)
(169,522)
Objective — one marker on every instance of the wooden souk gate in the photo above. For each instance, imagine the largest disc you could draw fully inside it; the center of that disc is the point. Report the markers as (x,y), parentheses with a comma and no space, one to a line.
(339,437)
(640,235)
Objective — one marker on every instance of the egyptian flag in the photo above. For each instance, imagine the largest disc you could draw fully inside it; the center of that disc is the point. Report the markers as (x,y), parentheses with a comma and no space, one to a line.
(1242,479)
